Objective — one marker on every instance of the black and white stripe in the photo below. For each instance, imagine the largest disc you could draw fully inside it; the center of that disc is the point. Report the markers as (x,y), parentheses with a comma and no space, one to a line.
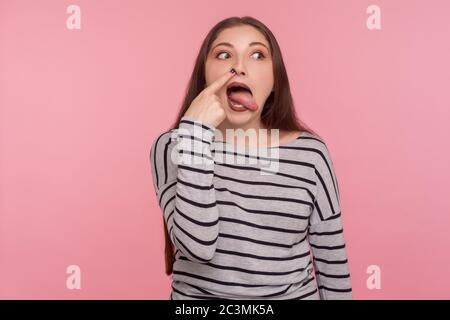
(242,234)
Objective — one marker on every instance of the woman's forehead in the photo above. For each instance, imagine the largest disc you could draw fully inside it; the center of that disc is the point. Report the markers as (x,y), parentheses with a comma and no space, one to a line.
(240,35)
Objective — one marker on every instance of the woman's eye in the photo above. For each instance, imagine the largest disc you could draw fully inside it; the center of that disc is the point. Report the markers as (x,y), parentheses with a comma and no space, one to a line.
(260,53)
(224,52)
(221,53)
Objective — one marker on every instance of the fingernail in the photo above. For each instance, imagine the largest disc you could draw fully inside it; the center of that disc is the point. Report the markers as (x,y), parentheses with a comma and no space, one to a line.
(232,70)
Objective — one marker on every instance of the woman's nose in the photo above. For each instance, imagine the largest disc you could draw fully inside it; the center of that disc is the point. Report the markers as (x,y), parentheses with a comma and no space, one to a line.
(239,70)
(239,66)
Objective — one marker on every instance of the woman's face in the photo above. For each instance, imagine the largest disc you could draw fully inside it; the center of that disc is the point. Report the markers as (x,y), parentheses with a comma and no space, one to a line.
(246,50)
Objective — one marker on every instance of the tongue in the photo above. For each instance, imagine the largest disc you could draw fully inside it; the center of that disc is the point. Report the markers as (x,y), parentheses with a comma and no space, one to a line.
(244,98)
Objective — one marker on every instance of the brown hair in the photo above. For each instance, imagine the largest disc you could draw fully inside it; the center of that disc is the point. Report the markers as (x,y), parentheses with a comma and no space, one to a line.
(278,111)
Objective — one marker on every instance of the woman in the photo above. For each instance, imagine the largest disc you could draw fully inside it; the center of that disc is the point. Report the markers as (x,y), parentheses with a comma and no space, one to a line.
(236,230)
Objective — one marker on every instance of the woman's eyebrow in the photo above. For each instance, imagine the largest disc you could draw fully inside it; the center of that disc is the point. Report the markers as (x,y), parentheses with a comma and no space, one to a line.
(254,43)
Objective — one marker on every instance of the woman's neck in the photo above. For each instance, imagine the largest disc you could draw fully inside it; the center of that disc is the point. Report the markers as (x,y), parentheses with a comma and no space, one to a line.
(252,134)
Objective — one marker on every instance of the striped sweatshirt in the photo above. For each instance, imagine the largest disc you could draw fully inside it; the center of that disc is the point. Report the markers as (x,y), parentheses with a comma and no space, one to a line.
(250,223)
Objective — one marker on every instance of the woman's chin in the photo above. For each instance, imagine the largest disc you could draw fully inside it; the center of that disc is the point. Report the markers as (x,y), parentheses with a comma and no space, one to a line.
(238,118)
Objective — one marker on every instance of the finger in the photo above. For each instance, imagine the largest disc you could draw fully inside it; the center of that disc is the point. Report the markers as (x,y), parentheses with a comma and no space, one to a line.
(219,83)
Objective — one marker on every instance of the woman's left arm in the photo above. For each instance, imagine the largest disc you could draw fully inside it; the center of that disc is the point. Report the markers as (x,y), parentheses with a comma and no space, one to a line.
(326,234)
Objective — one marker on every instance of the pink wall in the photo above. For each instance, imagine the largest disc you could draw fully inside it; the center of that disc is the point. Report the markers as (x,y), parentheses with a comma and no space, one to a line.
(80,108)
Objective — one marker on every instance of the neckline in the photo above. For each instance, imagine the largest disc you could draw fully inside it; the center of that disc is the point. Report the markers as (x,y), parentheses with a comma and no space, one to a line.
(287,144)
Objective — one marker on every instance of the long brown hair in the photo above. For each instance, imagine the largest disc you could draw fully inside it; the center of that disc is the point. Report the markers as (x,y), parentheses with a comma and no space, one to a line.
(278,111)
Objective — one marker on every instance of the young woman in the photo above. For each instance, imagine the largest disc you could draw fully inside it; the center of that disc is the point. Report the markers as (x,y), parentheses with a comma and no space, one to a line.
(237,230)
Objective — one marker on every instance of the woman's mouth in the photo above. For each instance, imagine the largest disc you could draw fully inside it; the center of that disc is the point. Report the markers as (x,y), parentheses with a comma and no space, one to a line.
(236,106)
(240,97)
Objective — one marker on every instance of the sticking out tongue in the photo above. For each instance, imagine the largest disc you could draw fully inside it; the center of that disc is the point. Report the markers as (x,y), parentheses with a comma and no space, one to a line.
(244,98)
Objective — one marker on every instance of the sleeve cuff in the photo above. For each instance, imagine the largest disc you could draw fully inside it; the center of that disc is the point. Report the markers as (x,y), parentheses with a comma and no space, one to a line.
(195,142)
(196,128)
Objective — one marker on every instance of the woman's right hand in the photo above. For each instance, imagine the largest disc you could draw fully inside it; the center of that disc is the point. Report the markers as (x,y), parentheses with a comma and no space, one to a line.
(207,107)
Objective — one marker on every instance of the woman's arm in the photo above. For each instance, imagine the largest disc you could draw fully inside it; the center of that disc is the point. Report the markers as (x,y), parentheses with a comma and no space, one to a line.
(326,233)
(182,178)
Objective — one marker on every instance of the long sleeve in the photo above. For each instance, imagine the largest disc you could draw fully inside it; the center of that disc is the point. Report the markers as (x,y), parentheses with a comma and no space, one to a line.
(182,178)
(326,234)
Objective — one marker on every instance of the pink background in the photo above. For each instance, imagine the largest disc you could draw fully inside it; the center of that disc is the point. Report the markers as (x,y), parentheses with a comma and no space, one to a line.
(80,108)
